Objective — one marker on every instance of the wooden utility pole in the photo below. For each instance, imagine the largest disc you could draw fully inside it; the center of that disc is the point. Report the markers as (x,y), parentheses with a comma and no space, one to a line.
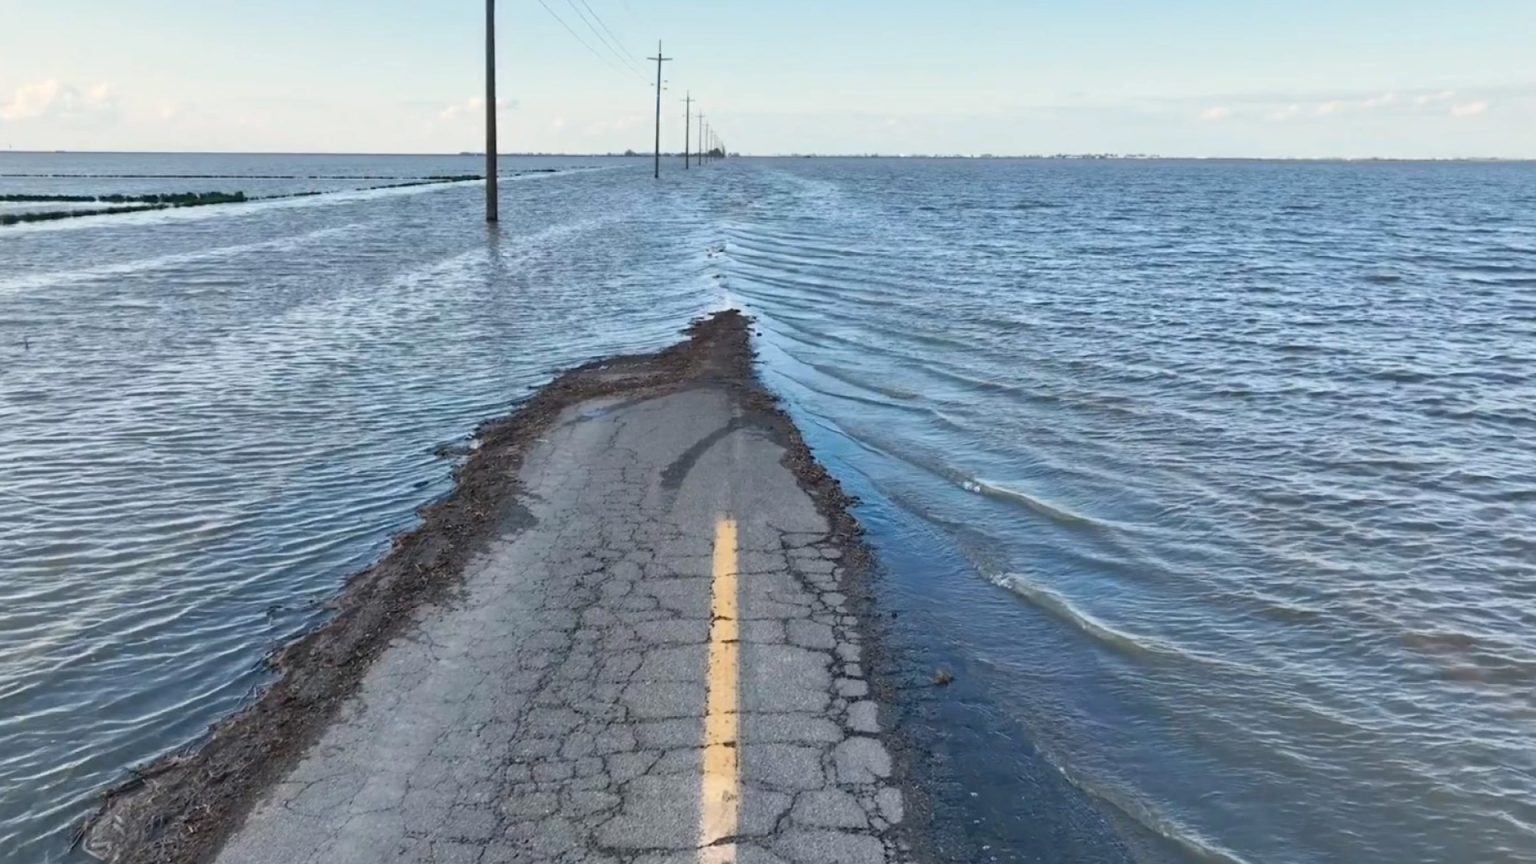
(687,116)
(490,111)
(659,60)
(701,140)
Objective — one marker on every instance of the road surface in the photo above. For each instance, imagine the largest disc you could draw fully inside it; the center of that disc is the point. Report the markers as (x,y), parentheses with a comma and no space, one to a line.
(649,657)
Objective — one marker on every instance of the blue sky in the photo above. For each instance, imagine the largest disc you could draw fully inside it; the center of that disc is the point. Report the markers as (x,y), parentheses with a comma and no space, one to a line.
(1430,78)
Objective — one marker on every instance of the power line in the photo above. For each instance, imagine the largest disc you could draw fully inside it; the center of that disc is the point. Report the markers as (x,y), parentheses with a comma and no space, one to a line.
(617,42)
(584,43)
(613,48)
(616,50)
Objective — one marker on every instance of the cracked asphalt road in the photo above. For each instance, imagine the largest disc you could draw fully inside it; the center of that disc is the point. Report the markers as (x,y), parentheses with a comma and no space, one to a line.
(556,708)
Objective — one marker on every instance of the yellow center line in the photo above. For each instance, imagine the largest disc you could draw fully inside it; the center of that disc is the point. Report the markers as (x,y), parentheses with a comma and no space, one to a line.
(720,799)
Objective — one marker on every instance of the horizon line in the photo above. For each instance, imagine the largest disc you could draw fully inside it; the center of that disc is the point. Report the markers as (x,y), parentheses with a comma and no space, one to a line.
(1083,156)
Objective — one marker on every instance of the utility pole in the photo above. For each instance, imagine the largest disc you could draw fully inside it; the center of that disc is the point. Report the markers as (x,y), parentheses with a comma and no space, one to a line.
(687,116)
(701,140)
(659,60)
(490,111)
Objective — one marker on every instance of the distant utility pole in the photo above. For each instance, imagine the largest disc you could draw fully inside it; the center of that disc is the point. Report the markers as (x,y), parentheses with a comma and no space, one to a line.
(687,116)
(701,140)
(490,111)
(659,60)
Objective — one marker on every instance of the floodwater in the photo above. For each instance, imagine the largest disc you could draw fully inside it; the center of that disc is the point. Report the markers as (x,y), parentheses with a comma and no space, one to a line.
(1210,481)
(209,417)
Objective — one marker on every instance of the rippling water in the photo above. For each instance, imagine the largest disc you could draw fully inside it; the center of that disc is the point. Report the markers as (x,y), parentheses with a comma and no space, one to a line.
(1242,452)
(209,417)
(1212,481)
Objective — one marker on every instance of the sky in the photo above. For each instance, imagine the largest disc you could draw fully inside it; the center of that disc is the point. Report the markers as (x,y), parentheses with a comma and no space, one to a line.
(1260,78)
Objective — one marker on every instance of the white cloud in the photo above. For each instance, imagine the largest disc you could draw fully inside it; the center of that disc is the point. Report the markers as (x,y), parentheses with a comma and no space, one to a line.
(1282,114)
(1342,106)
(1218,112)
(55,100)
(30,100)
(473,107)
(1431,101)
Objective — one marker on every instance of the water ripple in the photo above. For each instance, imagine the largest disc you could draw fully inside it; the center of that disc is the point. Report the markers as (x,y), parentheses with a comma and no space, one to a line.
(1249,439)
(207,423)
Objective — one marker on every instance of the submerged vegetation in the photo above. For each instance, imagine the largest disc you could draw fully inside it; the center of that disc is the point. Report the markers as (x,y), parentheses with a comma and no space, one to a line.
(181,199)
(133,204)
(51,215)
(141,203)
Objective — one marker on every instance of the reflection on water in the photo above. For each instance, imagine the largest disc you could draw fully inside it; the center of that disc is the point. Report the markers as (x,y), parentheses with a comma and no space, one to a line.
(1216,477)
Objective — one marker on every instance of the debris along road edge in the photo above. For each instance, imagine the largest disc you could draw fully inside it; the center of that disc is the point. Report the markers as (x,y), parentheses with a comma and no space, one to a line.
(648,653)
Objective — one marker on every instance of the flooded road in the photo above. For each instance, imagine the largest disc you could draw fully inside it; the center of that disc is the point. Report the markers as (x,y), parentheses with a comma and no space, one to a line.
(1207,480)
(210,417)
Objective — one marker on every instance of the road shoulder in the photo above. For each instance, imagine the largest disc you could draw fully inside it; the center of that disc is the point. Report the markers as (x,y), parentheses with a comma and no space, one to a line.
(537,539)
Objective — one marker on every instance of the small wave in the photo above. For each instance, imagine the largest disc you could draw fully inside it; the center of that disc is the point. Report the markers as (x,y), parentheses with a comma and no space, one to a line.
(1058,605)
(1403,376)
(898,404)
(1198,847)
(896,394)
(1129,644)
(1049,509)
(86,274)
